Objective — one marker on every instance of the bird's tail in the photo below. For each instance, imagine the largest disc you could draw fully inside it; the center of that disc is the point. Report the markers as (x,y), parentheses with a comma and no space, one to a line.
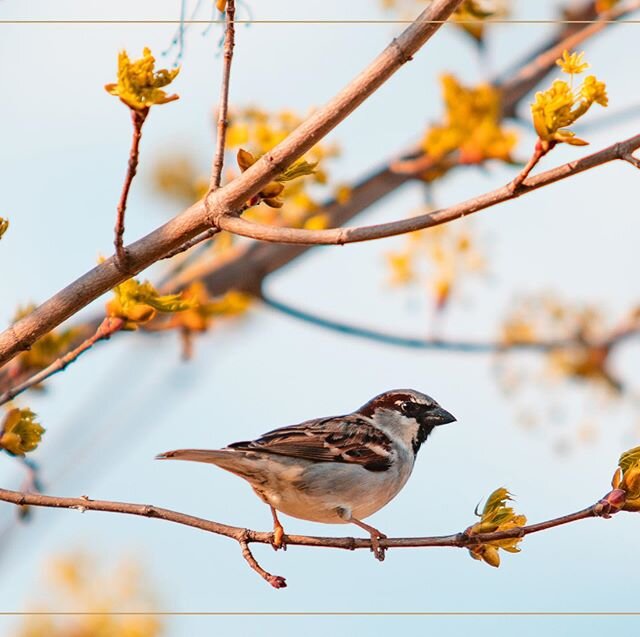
(212,456)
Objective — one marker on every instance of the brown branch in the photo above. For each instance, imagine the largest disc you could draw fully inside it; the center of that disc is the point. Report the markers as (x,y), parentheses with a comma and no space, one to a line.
(106,329)
(606,507)
(137,119)
(227,200)
(451,345)
(276,581)
(229,42)
(249,267)
(539,152)
(341,236)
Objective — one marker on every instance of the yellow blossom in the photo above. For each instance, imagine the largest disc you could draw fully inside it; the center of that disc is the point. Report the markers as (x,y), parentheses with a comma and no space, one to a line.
(627,478)
(572,63)
(4,226)
(139,86)
(471,125)
(138,303)
(560,106)
(496,516)
(20,432)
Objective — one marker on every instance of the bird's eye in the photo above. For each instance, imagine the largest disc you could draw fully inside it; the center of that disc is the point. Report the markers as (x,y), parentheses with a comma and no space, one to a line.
(407,407)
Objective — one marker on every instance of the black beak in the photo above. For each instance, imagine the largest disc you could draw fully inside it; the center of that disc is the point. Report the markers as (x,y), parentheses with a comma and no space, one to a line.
(439,416)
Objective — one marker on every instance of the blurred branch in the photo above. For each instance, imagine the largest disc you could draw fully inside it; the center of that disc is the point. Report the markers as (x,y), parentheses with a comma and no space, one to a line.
(450,345)
(606,507)
(340,236)
(228,200)
(106,329)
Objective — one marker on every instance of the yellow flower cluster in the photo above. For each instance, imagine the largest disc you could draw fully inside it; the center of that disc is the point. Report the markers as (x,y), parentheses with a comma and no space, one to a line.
(450,253)
(4,226)
(139,86)
(108,603)
(561,105)
(471,126)
(138,303)
(627,478)
(496,516)
(20,432)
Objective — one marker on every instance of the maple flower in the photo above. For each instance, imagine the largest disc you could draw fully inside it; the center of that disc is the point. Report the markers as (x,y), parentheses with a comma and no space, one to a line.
(560,106)
(4,226)
(496,516)
(138,303)
(139,86)
(627,478)
(20,432)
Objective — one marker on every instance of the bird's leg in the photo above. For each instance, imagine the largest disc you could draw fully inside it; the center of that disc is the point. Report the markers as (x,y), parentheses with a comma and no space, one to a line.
(375,535)
(279,541)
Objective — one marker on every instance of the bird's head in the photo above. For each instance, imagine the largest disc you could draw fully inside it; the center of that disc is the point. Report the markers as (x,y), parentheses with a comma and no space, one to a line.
(407,413)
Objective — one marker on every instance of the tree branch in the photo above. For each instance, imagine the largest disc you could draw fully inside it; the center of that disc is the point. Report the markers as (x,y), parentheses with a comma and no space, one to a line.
(224,201)
(341,236)
(229,42)
(606,507)
(106,329)
(137,119)
(247,269)
(449,345)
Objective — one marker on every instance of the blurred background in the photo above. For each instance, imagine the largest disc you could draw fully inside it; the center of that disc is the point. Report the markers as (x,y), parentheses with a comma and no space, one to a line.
(560,260)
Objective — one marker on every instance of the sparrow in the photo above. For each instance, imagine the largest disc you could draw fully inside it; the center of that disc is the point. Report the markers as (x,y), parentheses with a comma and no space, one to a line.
(336,470)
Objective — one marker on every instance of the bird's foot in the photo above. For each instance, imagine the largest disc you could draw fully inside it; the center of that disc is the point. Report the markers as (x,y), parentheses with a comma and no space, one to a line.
(279,540)
(378,551)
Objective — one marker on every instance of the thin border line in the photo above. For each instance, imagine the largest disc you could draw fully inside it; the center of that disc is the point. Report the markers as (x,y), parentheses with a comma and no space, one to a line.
(334,614)
(324,22)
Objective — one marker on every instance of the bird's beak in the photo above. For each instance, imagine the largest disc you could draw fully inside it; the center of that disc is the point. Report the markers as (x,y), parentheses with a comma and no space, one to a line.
(440,416)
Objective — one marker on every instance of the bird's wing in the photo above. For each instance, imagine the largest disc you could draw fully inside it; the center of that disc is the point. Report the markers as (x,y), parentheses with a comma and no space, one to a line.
(346,439)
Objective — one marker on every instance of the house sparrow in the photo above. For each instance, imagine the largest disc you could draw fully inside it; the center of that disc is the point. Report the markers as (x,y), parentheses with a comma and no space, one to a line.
(336,470)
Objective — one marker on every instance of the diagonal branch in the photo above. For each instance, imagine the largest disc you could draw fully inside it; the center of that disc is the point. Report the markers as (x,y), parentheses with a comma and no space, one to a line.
(106,330)
(340,236)
(606,507)
(226,201)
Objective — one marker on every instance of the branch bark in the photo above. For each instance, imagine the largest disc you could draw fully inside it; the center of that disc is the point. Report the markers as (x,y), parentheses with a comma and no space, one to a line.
(603,508)
(340,236)
(206,213)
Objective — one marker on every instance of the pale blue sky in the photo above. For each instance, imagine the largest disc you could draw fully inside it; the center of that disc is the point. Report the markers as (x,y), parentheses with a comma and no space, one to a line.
(63,155)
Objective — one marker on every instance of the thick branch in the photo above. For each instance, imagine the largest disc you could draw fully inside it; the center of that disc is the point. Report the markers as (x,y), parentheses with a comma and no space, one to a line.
(229,199)
(340,236)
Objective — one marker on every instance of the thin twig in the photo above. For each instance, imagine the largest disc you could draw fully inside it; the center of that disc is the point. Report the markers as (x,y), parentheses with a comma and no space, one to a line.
(106,329)
(187,245)
(539,152)
(137,119)
(449,345)
(606,507)
(277,581)
(341,236)
(229,42)
(231,197)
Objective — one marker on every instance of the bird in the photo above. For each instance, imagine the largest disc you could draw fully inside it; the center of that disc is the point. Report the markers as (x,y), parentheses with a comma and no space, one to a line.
(337,469)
